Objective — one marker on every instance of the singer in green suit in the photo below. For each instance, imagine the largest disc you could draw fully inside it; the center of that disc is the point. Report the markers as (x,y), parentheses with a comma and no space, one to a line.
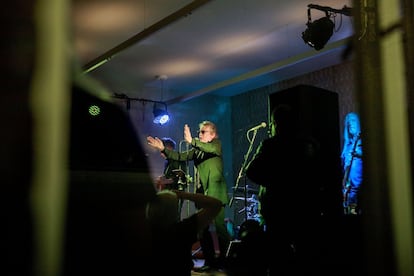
(206,153)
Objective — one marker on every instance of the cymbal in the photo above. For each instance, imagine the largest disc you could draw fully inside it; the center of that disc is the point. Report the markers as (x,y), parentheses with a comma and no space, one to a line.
(239,198)
(247,199)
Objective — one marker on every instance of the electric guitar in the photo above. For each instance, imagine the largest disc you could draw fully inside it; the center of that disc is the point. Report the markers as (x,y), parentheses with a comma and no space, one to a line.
(346,184)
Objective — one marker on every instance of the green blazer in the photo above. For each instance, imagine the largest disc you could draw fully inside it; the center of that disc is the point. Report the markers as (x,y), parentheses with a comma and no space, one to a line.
(207,158)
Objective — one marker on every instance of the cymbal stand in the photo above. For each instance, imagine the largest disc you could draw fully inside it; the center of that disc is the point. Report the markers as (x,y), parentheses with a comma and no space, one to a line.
(242,171)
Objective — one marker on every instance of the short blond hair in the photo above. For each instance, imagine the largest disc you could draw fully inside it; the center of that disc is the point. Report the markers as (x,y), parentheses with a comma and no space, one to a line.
(210,124)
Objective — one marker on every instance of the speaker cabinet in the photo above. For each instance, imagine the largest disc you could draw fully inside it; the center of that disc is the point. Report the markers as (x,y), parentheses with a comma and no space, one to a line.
(317,117)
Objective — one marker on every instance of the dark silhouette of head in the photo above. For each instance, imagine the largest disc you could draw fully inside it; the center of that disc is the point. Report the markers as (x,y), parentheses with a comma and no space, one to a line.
(168,142)
(282,116)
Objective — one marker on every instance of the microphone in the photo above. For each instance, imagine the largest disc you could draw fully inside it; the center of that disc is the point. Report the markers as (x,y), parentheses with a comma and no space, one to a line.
(262,125)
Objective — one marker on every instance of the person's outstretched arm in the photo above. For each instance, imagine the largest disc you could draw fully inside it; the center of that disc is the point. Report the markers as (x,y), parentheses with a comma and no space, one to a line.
(209,207)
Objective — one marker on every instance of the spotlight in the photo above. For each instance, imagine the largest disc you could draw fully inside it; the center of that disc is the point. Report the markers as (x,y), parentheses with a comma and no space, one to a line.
(161,116)
(318,32)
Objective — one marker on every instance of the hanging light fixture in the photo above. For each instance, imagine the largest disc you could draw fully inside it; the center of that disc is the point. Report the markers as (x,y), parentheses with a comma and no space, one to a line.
(159,110)
(161,115)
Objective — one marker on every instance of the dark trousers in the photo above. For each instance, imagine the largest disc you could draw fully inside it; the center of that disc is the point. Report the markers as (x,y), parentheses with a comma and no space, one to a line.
(211,256)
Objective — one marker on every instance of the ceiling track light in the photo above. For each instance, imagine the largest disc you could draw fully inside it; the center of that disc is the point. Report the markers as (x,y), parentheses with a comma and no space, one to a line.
(161,116)
(159,110)
(320,31)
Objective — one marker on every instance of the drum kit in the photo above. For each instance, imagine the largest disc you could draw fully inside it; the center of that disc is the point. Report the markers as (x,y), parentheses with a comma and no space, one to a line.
(251,203)
(180,179)
(248,195)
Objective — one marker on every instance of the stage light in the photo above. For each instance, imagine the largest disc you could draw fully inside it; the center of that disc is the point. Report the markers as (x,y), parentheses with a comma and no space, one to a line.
(318,32)
(161,116)
(94,110)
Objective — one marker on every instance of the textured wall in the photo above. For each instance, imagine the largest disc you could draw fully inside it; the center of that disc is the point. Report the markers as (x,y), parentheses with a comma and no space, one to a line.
(251,108)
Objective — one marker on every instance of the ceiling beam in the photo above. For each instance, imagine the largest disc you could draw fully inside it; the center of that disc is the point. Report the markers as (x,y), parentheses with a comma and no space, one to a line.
(102,59)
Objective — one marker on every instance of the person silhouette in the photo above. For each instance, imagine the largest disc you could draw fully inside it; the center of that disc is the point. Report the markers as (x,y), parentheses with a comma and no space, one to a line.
(173,177)
(288,194)
(351,157)
(174,237)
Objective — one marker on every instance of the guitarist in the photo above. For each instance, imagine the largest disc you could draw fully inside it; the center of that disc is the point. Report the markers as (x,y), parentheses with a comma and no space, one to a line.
(173,177)
(352,163)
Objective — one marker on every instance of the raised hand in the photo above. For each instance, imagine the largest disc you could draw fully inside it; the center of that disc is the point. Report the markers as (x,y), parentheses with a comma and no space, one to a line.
(155,142)
(187,134)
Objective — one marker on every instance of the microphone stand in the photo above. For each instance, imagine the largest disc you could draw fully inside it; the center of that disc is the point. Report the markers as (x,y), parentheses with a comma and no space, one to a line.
(188,178)
(242,171)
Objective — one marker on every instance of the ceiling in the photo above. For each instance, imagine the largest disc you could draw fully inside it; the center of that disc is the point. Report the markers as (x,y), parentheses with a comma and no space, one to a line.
(175,50)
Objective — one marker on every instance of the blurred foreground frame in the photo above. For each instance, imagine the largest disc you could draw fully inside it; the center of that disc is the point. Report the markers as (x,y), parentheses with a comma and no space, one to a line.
(109,188)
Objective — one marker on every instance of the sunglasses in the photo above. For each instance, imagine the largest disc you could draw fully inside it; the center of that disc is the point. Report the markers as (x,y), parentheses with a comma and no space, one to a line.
(202,131)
